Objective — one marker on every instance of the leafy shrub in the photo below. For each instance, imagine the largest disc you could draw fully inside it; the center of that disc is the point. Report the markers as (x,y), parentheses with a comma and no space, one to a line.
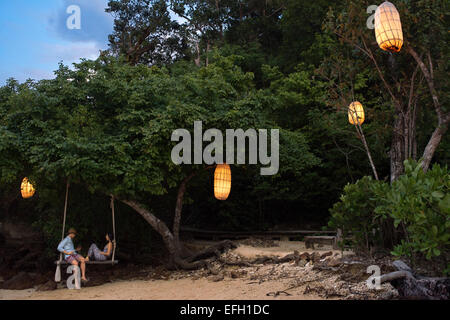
(420,203)
(416,206)
(355,212)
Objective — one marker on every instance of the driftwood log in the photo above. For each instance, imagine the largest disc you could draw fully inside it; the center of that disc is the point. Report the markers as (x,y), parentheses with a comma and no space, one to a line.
(411,286)
(265,260)
(212,251)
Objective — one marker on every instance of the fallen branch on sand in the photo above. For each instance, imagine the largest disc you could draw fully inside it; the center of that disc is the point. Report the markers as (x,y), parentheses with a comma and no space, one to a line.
(213,253)
(263,260)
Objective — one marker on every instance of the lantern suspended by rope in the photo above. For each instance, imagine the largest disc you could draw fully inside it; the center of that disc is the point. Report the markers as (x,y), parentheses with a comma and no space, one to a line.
(388,27)
(222,181)
(26,189)
(356,113)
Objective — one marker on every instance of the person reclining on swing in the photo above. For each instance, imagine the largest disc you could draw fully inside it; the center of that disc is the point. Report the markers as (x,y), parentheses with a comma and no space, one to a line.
(94,252)
(70,254)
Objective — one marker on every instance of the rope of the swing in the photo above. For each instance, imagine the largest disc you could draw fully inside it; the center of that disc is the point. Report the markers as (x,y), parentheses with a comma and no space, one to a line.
(65,214)
(114,229)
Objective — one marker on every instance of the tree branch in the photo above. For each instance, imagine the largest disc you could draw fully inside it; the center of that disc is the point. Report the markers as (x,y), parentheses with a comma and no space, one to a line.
(179,205)
(429,78)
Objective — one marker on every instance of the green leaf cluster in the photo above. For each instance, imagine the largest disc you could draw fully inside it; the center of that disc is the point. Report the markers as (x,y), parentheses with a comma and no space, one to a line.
(417,205)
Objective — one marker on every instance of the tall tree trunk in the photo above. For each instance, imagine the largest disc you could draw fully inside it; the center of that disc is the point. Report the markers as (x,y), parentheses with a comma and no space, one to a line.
(403,142)
(179,206)
(197,60)
(208,46)
(443,119)
(159,226)
(432,145)
(397,154)
(171,240)
(174,257)
(178,209)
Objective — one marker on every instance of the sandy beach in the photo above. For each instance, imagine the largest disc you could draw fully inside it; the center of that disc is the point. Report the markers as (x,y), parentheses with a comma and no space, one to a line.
(284,281)
(182,289)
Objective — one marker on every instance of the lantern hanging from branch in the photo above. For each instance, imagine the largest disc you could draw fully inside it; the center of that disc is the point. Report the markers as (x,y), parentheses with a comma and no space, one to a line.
(26,189)
(388,27)
(222,181)
(356,113)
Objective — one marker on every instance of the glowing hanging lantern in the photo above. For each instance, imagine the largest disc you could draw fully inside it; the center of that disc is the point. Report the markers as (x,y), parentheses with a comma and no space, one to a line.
(356,113)
(26,189)
(222,181)
(388,27)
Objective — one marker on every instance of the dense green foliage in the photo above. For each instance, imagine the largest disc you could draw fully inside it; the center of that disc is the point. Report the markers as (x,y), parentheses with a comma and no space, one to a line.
(355,213)
(418,203)
(107,125)
(421,203)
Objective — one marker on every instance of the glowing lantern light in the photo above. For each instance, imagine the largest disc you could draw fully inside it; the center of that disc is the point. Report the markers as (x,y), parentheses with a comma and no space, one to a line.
(222,181)
(356,113)
(388,27)
(26,189)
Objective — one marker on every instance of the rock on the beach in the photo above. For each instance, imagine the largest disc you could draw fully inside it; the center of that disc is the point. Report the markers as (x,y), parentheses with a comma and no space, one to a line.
(39,279)
(401,266)
(21,281)
(388,294)
(218,278)
(302,262)
(214,271)
(238,274)
(48,286)
(334,262)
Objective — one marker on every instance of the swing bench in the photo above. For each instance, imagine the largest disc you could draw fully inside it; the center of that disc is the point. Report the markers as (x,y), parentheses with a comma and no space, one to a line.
(106,262)
(111,261)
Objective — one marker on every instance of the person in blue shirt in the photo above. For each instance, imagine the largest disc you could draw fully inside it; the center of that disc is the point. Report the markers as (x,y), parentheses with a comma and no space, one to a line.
(70,254)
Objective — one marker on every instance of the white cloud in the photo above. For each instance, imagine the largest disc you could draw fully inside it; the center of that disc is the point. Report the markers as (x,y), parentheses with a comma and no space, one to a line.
(36,74)
(70,52)
(96,24)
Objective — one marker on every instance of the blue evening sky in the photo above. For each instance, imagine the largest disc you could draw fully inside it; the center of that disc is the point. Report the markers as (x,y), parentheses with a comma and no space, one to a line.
(35,38)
